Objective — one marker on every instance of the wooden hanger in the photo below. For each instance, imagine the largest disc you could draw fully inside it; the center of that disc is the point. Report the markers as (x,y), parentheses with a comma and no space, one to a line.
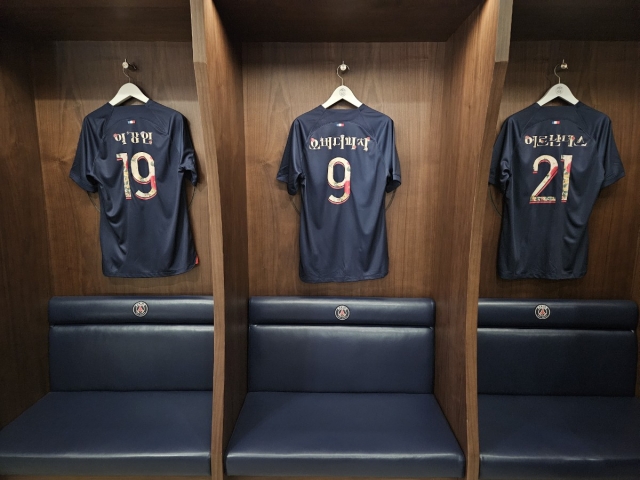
(342,92)
(560,90)
(129,89)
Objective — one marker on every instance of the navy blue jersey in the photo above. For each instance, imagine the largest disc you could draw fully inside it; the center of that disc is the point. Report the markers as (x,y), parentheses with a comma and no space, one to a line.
(135,157)
(550,163)
(343,161)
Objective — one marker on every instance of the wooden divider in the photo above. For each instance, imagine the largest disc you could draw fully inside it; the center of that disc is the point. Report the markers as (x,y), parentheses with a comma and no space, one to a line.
(24,263)
(476,63)
(219,80)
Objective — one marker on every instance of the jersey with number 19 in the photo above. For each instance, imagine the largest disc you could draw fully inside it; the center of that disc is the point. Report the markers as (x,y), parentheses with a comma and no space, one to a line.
(550,163)
(135,157)
(343,161)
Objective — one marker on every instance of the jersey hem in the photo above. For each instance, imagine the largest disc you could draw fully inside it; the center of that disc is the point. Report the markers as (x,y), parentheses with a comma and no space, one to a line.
(375,276)
(540,277)
(166,273)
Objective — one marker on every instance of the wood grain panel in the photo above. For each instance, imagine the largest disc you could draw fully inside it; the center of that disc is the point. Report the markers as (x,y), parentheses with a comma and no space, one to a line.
(606,76)
(402,80)
(576,20)
(142,20)
(219,79)
(339,21)
(24,264)
(72,80)
(476,65)
(58,477)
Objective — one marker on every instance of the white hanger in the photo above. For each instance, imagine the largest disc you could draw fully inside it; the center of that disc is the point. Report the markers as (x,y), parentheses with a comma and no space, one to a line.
(129,89)
(560,90)
(342,92)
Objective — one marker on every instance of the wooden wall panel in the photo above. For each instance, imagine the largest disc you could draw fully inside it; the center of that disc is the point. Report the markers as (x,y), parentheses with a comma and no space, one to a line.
(24,265)
(219,79)
(606,76)
(476,66)
(72,80)
(402,80)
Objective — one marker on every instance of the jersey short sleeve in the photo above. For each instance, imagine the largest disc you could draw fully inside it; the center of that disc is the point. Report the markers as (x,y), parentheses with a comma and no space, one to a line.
(608,151)
(187,163)
(82,171)
(390,154)
(503,151)
(291,165)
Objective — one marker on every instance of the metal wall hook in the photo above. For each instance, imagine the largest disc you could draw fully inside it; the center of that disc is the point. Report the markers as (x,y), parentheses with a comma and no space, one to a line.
(563,66)
(342,68)
(128,66)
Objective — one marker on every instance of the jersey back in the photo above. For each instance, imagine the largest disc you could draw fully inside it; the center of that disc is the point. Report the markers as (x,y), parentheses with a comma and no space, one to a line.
(343,161)
(135,157)
(551,163)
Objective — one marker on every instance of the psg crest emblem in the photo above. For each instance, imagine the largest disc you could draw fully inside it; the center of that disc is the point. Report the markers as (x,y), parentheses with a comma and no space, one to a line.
(543,312)
(342,312)
(140,309)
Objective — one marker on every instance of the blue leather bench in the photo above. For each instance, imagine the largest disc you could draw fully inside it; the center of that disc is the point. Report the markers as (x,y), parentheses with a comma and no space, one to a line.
(556,394)
(351,397)
(130,395)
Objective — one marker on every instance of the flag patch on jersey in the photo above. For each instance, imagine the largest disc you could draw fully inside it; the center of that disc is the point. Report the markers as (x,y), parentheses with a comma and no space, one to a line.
(556,122)
(131,122)
(339,124)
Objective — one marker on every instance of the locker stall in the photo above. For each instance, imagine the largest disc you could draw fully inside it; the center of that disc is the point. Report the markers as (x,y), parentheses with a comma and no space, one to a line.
(447,73)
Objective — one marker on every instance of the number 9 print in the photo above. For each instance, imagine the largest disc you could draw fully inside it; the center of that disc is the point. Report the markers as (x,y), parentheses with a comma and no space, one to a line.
(345,183)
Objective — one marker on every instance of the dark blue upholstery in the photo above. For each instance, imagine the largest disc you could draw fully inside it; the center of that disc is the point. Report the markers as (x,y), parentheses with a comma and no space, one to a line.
(328,358)
(129,397)
(524,436)
(347,397)
(343,434)
(131,357)
(556,394)
(181,310)
(110,433)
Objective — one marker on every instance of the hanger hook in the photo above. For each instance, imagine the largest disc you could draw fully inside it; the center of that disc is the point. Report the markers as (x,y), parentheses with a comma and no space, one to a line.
(563,66)
(128,66)
(342,68)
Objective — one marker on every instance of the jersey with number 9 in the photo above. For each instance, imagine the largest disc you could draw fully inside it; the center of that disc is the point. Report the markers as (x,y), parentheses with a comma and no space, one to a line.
(343,162)
(135,157)
(550,163)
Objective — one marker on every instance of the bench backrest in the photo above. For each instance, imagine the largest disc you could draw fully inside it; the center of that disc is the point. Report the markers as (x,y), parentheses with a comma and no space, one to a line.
(99,343)
(298,344)
(557,347)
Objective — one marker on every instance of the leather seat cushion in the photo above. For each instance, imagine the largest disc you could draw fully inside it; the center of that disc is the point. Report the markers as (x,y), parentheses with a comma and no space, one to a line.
(110,433)
(559,437)
(343,434)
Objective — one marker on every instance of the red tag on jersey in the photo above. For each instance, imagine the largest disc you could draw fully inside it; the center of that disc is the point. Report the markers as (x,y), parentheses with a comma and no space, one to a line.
(197,260)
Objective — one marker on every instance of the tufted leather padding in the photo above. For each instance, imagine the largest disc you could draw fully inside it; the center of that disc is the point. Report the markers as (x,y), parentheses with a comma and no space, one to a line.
(110,433)
(533,437)
(131,357)
(333,434)
(158,422)
(565,385)
(177,310)
(336,358)
(591,351)
(350,397)
(362,311)
(567,314)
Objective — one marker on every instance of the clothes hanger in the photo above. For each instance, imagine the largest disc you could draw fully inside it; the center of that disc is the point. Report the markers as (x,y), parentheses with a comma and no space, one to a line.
(560,90)
(129,89)
(342,92)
